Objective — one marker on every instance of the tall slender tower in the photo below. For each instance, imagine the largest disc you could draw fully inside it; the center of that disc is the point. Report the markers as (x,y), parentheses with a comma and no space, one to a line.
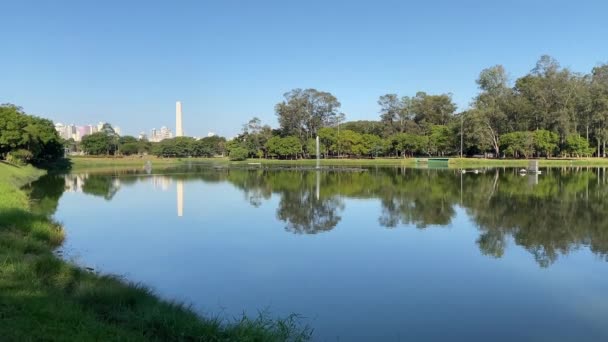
(179,129)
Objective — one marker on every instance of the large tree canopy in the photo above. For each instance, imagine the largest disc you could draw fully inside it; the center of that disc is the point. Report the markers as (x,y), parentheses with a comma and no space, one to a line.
(22,132)
(304,112)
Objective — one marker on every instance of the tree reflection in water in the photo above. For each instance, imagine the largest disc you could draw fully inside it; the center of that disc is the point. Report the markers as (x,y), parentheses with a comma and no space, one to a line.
(562,211)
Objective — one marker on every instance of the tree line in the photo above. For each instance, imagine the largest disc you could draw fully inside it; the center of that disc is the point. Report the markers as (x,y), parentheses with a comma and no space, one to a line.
(551,111)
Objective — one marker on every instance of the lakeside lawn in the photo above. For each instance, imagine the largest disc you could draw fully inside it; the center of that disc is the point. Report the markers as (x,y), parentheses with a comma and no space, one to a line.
(110,163)
(45,298)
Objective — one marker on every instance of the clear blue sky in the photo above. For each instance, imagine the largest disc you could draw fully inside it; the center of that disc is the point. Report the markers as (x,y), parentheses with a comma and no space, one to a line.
(127,62)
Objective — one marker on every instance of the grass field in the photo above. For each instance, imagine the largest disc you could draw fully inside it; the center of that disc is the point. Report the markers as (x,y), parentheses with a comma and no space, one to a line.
(108,164)
(43,298)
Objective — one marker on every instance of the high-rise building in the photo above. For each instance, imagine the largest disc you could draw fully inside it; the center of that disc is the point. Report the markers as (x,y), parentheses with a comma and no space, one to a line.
(179,129)
(158,135)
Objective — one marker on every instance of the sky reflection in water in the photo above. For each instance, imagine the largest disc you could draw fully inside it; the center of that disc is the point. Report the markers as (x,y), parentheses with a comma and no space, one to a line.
(385,254)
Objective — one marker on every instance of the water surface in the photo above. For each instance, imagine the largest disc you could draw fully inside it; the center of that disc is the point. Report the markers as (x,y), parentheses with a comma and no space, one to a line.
(385,254)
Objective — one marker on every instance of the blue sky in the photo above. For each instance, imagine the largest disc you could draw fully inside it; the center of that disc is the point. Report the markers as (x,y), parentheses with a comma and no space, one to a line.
(127,62)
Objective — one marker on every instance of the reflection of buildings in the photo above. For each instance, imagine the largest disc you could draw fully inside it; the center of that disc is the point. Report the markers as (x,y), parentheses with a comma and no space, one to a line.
(180,198)
(105,186)
(161,182)
(74,183)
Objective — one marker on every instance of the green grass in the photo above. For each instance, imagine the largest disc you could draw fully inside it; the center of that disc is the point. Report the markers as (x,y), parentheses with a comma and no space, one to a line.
(45,298)
(85,163)
(109,164)
(474,162)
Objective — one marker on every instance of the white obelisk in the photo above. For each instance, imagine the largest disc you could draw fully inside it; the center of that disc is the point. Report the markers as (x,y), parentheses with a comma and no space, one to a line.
(179,129)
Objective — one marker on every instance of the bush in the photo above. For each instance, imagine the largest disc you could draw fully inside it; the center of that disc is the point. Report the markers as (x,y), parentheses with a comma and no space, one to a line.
(19,157)
(129,148)
(238,153)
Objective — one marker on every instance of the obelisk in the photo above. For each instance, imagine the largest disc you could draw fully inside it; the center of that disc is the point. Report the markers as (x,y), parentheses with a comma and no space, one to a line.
(179,129)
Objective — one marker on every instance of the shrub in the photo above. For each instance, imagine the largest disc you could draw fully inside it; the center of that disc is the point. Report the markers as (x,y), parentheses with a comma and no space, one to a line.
(238,153)
(19,157)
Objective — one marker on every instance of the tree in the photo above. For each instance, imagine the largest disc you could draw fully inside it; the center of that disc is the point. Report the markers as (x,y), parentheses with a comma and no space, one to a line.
(238,154)
(545,142)
(371,145)
(12,123)
(129,148)
(255,136)
(490,111)
(549,95)
(577,146)
(311,147)
(98,143)
(284,147)
(517,144)
(209,146)
(304,112)
(599,105)
(128,145)
(125,139)
(364,127)
(390,107)
(440,140)
(428,110)
(409,144)
(328,137)
(37,136)
(349,143)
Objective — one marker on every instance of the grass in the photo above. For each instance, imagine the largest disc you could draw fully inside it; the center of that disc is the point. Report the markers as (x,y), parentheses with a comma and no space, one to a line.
(109,164)
(475,162)
(45,298)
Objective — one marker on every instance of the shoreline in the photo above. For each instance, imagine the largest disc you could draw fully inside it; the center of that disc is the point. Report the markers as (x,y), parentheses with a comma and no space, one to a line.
(109,163)
(44,296)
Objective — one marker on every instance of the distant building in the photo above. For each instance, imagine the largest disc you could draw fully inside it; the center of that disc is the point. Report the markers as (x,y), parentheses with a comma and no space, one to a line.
(159,135)
(78,132)
(210,134)
(61,130)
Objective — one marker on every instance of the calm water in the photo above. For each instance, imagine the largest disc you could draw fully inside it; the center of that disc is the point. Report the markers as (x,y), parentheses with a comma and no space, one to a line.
(385,254)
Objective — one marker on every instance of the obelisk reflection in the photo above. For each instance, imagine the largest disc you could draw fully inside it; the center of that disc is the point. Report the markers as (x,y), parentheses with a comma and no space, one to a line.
(180,198)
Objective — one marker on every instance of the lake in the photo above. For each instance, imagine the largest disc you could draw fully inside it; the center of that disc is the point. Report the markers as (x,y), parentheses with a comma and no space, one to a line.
(380,254)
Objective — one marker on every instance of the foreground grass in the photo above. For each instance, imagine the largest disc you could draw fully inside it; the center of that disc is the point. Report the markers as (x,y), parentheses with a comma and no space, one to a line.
(45,298)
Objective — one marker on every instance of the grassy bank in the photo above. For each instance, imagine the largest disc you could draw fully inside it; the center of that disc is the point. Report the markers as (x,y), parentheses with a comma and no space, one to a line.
(109,164)
(474,162)
(43,297)
(83,163)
